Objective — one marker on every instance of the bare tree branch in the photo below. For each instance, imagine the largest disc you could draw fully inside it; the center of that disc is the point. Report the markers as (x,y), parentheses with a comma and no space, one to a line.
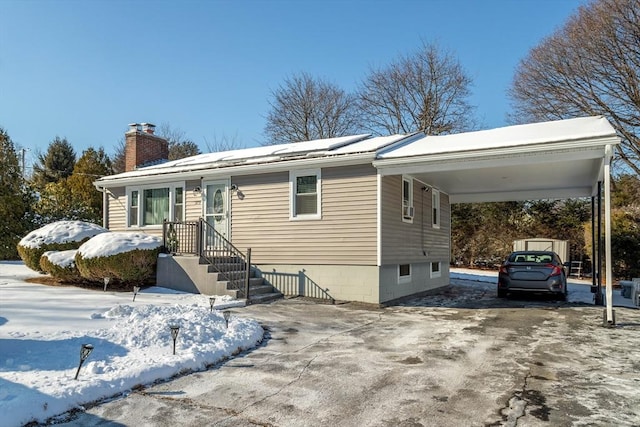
(427,91)
(304,108)
(591,66)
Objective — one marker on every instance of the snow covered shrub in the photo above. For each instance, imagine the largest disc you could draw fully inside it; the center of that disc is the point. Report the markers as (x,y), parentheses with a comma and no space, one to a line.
(127,257)
(61,265)
(57,236)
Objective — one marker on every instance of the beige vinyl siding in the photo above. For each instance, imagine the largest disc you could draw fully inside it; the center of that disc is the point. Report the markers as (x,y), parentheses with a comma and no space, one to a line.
(402,241)
(346,233)
(117,202)
(193,201)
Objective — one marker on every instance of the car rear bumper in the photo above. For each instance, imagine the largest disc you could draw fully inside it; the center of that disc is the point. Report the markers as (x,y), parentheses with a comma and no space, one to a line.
(552,285)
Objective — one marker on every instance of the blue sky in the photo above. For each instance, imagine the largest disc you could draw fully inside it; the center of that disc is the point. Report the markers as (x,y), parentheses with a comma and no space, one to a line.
(85,69)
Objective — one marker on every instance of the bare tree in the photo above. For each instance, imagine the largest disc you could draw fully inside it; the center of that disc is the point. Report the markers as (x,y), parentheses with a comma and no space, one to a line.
(179,145)
(118,160)
(304,108)
(223,143)
(591,66)
(427,91)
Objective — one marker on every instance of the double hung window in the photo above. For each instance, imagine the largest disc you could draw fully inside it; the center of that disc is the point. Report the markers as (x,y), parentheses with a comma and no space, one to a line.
(407,199)
(149,206)
(305,194)
(435,205)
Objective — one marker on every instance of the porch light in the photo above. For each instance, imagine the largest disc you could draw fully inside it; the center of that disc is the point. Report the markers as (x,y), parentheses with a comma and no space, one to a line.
(197,190)
(174,335)
(136,289)
(85,351)
(212,301)
(227,315)
(106,282)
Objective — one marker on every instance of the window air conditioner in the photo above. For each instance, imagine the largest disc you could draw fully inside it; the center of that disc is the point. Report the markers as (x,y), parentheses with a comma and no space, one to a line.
(407,211)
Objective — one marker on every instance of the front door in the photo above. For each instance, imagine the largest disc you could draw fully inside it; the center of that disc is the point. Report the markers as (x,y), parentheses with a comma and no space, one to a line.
(216,206)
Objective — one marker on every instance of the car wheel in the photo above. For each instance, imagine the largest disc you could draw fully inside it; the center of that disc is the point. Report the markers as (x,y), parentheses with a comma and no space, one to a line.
(502,293)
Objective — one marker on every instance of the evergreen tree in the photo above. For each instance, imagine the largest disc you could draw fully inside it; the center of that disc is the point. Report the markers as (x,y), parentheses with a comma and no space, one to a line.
(56,164)
(76,197)
(13,199)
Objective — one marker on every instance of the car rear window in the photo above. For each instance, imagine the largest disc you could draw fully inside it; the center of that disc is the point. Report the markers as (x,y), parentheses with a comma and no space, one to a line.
(540,258)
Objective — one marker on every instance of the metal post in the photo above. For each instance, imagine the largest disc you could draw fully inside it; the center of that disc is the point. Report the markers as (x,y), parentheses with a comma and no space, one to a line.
(199,238)
(611,321)
(164,234)
(248,274)
(599,232)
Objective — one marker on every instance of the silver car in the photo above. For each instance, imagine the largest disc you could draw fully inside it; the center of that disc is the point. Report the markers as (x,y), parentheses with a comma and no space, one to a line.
(533,271)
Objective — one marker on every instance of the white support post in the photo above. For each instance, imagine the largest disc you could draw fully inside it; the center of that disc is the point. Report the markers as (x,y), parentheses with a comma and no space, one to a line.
(607,234)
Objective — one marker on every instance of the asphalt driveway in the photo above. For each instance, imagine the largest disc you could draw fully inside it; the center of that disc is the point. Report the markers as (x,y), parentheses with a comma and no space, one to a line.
(461,358)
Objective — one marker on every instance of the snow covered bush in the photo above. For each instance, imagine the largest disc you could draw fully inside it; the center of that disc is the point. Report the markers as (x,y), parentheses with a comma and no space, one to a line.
(61,265)
(126,257)
(57,236)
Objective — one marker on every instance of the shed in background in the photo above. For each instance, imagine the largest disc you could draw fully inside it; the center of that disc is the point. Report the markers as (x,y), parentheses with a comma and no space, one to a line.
(561,247)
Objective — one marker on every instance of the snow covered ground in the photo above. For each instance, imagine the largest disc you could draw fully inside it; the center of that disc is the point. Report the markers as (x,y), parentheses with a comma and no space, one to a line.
(42,329)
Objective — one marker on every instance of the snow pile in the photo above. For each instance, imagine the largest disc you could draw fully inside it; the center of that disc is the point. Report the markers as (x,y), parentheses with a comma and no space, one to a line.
(114,243)
(63,259)
(42,330)
(61,232)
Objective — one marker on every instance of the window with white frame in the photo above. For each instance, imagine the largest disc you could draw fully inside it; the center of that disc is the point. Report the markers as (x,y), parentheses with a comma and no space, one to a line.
(150,205)
(435,208)
(407,199)
(404,273)
(305,198)
(435,270)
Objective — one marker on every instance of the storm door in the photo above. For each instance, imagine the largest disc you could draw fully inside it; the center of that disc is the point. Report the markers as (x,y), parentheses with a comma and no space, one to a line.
(216,207)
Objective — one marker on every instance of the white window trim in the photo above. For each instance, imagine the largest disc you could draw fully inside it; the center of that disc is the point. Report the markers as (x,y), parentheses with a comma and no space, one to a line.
(292,194)
(407,278)
(408,179)
(435,200)
(140,189)
(435,274)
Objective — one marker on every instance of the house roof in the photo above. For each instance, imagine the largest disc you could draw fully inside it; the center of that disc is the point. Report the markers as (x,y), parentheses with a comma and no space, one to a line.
(558,159)
(355,148)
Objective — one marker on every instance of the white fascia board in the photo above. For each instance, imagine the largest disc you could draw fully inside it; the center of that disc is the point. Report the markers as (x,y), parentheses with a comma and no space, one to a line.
(503,152)
(239,170)
(489,159)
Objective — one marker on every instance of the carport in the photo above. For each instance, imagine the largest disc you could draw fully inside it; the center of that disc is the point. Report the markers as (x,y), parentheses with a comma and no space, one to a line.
(550,160)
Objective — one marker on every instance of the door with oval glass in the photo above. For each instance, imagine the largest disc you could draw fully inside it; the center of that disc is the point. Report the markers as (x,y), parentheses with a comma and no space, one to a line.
(216,206)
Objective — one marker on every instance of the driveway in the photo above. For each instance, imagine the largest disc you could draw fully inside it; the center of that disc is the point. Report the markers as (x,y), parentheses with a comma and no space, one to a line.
(461,358)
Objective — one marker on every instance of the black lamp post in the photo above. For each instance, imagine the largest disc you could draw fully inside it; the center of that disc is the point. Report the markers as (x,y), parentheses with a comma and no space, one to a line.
(212,301)
(85,350)
(174,334)
(227,315)
(106,282)
(136,289)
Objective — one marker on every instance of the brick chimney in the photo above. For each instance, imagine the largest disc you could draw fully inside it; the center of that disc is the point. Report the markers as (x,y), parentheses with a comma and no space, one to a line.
(143,148)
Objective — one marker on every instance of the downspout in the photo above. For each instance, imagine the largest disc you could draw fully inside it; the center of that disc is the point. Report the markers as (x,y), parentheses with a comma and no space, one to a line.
(608,152)
(105,208)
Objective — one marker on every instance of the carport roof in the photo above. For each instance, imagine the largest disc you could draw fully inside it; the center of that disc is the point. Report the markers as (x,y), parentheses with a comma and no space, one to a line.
(558,159)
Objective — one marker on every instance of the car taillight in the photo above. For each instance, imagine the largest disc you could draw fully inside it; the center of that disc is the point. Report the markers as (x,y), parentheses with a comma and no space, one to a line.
(503,269)
(556,270)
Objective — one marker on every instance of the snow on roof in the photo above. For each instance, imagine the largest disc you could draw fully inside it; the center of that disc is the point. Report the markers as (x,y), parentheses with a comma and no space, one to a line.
(264,154)
(61,232)
(115,243)
(368,145)
(510,136)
